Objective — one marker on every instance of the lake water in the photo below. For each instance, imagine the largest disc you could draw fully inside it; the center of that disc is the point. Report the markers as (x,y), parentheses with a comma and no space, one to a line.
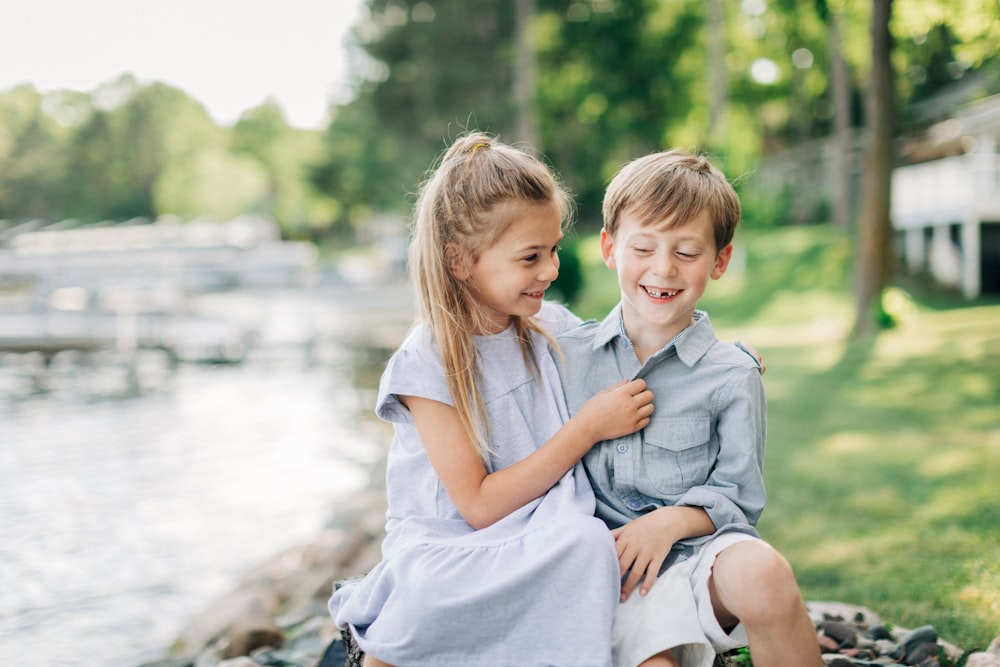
(123,516)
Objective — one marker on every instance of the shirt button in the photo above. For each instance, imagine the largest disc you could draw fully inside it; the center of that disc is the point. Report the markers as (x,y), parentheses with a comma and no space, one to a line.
(622,448)
(634,503)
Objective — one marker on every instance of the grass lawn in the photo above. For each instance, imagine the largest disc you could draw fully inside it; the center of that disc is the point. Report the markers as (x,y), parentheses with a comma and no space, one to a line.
(883,456)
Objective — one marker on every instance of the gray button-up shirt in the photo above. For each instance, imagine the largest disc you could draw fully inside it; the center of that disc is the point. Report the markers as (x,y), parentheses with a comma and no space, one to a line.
(705,444)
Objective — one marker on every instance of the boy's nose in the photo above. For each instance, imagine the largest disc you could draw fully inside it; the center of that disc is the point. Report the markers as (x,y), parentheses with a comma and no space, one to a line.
(666,265)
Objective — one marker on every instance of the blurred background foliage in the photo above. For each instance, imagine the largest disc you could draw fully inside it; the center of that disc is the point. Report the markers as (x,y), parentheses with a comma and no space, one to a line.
(588,83)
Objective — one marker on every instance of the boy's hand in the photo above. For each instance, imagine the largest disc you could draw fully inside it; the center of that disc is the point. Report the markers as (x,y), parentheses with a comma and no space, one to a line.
(643,545)
(620,409)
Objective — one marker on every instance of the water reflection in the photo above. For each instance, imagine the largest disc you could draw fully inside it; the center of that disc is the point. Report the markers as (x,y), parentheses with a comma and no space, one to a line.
(124,515)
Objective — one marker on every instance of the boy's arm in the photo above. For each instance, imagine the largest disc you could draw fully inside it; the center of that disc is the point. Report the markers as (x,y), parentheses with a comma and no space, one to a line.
(734,494)
(643,543)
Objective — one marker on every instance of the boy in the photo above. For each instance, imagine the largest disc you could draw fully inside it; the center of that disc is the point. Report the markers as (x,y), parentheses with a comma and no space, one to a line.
(682,496)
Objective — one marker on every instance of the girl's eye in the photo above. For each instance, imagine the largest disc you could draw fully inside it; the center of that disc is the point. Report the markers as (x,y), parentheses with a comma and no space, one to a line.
(687,255)
(531,258)
(556,248)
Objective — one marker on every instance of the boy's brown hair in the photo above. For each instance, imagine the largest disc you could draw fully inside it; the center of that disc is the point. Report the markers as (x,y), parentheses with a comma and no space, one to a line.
(672,187)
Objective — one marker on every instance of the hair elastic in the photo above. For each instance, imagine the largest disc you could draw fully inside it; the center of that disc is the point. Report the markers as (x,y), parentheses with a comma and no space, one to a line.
(481,144)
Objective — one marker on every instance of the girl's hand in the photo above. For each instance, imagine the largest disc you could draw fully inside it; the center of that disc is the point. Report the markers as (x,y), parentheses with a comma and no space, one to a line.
(620,409)
(752,351)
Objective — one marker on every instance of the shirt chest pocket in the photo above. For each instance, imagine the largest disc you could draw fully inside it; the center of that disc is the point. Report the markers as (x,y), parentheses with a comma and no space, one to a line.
(677,453)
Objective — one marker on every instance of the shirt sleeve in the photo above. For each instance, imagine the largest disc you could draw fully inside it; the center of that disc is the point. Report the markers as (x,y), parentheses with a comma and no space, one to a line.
(733,495)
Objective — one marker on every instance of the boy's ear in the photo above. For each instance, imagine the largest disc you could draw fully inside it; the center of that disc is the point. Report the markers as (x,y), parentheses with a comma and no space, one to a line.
(722,261)
(456,262)
(607,249)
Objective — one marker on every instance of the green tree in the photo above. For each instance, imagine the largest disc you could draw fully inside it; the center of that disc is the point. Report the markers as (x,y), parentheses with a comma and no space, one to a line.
(32,156)
(871,270)
(435,69)
(937,66)
(615,81)
(284,154)
(213,184)
(358,170)
(135,133)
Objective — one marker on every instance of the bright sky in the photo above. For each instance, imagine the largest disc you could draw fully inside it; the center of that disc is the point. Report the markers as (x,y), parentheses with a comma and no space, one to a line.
(230,55)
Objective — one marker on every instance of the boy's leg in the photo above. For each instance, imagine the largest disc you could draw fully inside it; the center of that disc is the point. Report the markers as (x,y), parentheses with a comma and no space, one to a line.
(753,584)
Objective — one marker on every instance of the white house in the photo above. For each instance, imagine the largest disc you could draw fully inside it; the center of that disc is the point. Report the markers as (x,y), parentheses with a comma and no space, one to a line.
(947,209)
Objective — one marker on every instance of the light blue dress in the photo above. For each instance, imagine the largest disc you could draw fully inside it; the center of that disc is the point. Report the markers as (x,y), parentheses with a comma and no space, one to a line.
(538,588)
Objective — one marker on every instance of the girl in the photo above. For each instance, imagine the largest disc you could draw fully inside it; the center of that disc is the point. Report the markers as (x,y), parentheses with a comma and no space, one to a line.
(490,534)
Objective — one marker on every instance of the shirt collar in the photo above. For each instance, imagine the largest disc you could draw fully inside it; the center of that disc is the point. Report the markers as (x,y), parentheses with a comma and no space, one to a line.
(612,327)
(691,344)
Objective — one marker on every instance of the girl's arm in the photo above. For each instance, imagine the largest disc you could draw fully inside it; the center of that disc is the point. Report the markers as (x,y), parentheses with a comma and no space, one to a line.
(484,498)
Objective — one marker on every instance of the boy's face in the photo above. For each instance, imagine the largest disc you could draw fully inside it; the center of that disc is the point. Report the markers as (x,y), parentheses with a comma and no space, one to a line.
(663,272)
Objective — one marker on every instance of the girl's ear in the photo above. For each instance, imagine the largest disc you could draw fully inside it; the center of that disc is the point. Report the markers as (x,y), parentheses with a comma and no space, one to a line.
(456,261)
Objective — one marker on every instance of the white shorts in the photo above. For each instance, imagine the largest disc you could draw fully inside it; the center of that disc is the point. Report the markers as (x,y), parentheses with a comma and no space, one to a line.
(677,614)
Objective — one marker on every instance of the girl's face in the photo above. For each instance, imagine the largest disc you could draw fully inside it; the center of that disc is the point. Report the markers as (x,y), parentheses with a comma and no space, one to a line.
(511,276)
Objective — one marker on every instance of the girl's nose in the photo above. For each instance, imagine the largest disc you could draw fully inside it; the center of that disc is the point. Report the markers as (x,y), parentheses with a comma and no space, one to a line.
(550,268)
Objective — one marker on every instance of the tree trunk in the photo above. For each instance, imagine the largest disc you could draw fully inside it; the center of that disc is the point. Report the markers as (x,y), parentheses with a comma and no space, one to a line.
(874,229)
(843,141)
(524,74)
(718,79)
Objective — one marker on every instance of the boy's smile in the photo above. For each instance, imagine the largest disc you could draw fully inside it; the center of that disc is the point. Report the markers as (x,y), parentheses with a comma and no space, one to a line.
(661,294)
(663,270)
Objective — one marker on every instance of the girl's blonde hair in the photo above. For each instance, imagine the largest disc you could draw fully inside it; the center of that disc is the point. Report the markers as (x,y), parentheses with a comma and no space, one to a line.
(464,206)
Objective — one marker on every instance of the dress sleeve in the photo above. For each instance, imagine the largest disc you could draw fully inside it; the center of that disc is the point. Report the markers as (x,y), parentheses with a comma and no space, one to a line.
(733,495)
(413,370)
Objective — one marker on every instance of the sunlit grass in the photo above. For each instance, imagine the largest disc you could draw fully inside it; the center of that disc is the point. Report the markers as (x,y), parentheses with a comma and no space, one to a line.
(883,460)
(882,471)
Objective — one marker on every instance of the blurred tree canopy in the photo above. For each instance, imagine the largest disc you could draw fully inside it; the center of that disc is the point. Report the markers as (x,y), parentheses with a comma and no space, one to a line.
(613,80)
(610,80)
(130,150)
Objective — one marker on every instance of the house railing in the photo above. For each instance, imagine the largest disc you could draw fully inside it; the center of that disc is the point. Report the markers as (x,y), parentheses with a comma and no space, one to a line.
(952,190)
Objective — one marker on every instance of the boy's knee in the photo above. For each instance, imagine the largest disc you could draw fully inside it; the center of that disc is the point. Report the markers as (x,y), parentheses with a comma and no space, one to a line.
(756,579)
(755,559)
